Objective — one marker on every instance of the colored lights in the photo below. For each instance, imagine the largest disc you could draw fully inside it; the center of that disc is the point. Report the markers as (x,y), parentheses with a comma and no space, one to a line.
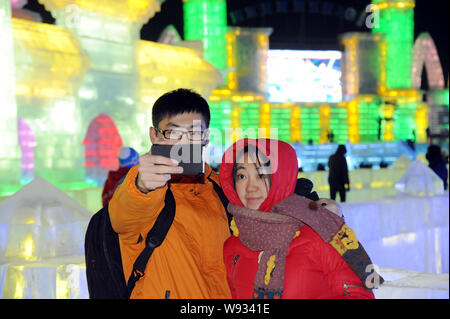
(426,55)
(206,20)
(134,10)
(10,162)
(102,144)
(163,67)
(49,60)
(247,59)
(98,66)
(383,4)
(397,26)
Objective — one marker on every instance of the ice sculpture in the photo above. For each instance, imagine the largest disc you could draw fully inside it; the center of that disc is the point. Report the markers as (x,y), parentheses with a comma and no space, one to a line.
(361,72)
(403,162)
(9,147)
(420,180)
(397,25)
(102,144)
(426,55)
(40,221)
(27,144)
(41,234)
(50,66)
(90,63)
(93,62)
(247,53)
(206,20)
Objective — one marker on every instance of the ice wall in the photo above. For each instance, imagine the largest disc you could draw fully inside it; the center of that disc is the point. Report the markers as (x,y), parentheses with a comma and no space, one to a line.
(91,62)
(50,65)
(9,147)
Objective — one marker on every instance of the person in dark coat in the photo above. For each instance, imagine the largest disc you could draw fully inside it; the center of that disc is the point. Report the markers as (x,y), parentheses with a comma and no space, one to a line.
(128,157)
(338,173)
(436,163)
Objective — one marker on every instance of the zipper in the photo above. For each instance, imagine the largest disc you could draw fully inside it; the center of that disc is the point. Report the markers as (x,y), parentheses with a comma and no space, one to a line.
(235,260)
(346,286)
(167,294)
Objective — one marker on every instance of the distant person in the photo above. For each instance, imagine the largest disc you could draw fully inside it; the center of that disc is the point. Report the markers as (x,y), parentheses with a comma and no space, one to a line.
(330,136)
(338,174)
(437,163)
(128,157)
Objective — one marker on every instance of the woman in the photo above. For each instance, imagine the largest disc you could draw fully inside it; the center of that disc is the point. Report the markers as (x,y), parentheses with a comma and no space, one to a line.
(284,245)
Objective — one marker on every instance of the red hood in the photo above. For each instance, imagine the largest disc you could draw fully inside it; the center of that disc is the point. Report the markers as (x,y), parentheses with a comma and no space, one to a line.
(284,170)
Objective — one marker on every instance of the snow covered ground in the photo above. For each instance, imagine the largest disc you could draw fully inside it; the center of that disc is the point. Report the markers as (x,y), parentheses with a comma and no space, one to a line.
(406,284)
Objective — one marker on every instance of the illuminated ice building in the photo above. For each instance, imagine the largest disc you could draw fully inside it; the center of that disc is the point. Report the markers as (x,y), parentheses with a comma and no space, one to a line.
(74,92)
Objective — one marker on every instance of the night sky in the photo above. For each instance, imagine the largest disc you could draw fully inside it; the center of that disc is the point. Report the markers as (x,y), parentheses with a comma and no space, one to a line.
(313,28)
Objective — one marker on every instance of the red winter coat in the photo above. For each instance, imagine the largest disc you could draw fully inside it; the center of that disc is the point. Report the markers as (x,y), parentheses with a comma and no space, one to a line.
(110,183)
(314,269)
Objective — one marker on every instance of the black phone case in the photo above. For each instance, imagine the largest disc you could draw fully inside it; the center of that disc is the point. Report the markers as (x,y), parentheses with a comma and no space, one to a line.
(190,156)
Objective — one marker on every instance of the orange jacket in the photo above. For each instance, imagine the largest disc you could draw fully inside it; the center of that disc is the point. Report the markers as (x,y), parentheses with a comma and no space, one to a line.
(189,263)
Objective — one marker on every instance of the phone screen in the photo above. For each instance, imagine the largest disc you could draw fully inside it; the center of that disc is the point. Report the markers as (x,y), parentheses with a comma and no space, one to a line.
(190,156)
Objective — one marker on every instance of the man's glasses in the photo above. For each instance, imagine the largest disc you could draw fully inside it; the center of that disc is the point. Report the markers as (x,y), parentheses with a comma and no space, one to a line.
(178,134)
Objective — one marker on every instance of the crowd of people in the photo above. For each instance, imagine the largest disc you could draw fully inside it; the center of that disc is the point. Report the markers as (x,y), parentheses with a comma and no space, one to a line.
(253,230)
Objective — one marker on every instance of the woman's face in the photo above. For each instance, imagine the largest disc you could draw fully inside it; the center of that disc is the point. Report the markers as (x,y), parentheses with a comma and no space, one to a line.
(252,183)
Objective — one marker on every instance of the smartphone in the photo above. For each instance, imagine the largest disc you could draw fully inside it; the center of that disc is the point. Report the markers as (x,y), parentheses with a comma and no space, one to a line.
(190,156)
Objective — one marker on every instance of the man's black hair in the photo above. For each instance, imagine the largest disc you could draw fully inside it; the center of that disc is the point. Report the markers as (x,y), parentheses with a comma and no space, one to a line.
(178,102)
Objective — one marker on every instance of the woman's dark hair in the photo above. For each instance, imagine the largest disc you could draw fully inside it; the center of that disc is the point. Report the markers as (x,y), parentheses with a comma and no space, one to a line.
(178,102)
(265,163)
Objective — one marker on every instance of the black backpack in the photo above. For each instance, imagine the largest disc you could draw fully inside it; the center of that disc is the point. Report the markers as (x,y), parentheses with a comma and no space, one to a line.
(104,270)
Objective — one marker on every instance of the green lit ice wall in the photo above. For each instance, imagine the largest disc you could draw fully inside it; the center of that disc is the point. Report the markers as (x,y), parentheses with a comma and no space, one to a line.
(250,116)
(280,119)
(405,126)
(339,124)
(206,20)
(310,127)
(221,119)
(368,120)
(397,24)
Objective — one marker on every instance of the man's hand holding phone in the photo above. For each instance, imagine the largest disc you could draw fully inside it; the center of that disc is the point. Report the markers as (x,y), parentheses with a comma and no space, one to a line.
(155,171)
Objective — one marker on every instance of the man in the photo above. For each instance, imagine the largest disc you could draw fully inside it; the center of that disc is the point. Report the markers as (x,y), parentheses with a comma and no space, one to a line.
(128,157)
(338,173)
(189,263)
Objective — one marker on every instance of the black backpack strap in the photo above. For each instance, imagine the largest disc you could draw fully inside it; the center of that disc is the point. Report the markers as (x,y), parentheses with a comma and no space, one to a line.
(154,239)
(222,197)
